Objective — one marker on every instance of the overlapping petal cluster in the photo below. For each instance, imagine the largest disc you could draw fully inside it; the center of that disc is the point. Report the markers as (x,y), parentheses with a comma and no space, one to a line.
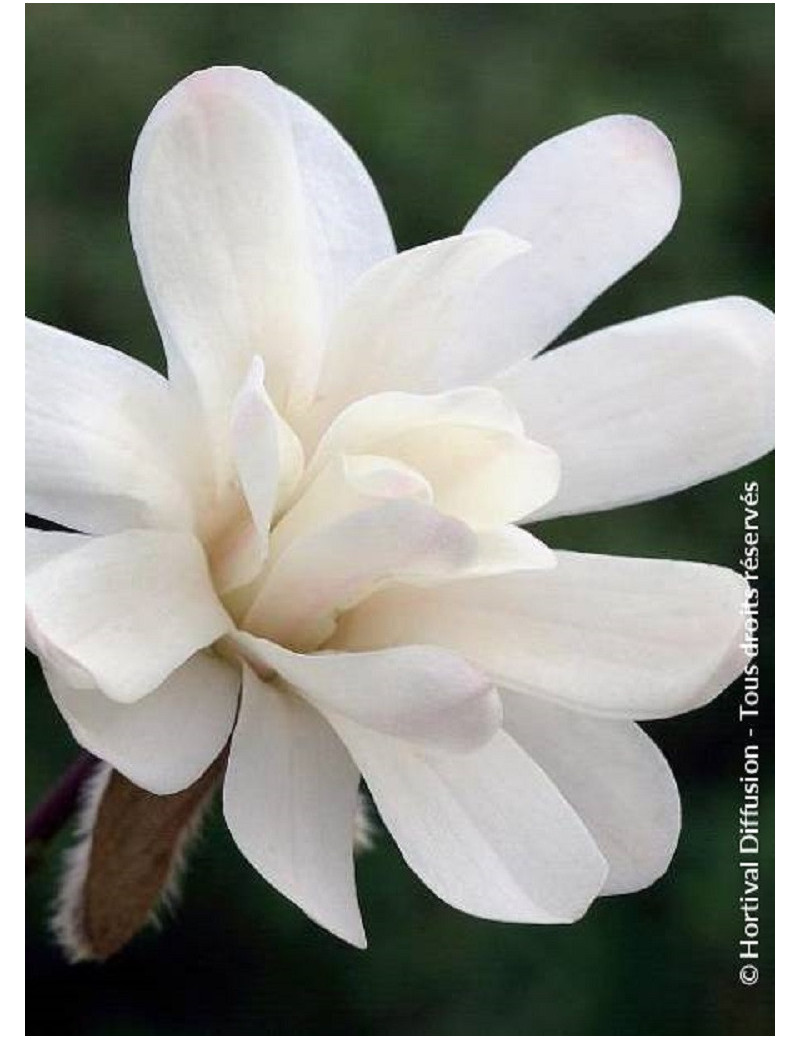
(305,543)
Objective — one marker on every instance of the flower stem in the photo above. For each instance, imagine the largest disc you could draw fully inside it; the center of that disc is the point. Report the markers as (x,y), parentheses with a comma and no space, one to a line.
(53,811)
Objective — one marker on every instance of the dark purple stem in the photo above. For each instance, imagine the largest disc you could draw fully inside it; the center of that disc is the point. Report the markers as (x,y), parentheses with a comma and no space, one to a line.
(53,811)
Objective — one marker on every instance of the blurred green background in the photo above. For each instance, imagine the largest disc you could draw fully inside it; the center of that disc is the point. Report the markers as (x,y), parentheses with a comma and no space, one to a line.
(439,100)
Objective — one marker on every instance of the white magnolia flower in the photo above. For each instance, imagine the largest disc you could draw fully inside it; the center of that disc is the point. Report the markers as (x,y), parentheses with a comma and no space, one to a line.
(303,542)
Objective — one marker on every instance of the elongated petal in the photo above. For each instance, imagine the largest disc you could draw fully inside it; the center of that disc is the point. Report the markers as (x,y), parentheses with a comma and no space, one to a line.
(121,613)
(592,202)
(249,216)
(487,831)
(322,574)
(349,231)
(166,740)
(420,693)
(102,441)
(607,635)
(269,458)
(268,461)
(654,405)
(613,776)
(468,444)
(290,801)
(406,324)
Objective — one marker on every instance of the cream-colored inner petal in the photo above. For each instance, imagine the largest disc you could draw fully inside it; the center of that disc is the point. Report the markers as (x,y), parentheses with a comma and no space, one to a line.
(404,489)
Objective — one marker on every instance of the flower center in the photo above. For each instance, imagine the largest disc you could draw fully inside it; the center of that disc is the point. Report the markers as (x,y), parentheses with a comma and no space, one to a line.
(415,489)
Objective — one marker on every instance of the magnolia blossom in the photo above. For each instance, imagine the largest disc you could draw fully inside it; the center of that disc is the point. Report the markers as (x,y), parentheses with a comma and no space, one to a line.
(304,545)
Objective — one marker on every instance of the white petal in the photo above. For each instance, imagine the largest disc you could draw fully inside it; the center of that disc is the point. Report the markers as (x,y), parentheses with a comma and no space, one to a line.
(121,613)
(486,831)
(268,460)
(365,521)
(290,801)
(592,202)
(249,217)
(378,477)
(505,549)
(102,441)
(467,443)
(652,406)
(614,777)
(43,546)
(348,228)
(483,477)
(344,485)
(381,417)
(602,634)
(166,740)
(406,324)
(322,574)
(420,693)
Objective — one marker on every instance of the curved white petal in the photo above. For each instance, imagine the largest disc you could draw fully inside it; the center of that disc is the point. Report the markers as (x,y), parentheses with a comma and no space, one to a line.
(250,216)
(613,776)
(592,202)
(345,484)
(406,323)
(467,443)
(487,831)
(268,462)
(121,613)
(103,446)
(652,406)
(381,417)
(602,634)
(166,740)
(290,800)
(364,521)
(420,693)
(267,453)
(320,575)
